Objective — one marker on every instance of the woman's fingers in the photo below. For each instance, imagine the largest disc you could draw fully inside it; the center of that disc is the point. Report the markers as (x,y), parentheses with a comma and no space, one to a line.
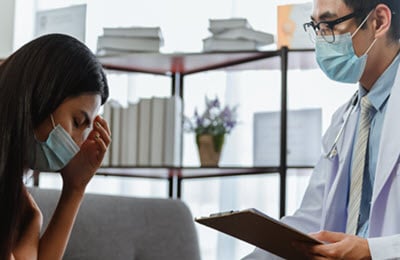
(101,143)
(103,130)
(103,123)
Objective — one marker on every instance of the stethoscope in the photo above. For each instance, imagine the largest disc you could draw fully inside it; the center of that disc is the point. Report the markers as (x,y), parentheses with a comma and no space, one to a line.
(352,106)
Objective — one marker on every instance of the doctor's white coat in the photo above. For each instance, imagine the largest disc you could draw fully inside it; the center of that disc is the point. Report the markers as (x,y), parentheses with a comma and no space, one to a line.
(324,203)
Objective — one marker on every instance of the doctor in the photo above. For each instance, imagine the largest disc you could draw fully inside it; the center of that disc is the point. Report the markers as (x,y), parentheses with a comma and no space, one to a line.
(353,198)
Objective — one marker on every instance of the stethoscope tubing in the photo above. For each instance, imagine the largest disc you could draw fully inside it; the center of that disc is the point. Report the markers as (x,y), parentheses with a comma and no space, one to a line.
(333,151)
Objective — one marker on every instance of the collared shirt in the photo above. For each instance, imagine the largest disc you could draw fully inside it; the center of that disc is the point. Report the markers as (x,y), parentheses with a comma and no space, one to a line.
(378,96)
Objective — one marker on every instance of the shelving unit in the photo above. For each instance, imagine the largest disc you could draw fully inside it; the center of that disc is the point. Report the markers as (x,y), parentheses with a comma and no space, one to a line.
(175,175)
(177,66)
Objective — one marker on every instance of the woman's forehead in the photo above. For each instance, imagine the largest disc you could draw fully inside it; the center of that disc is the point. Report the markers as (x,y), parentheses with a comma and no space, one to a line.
(89,103)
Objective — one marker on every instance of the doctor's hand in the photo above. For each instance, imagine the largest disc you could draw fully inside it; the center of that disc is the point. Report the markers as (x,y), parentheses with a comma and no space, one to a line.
(339,246)
(78,172)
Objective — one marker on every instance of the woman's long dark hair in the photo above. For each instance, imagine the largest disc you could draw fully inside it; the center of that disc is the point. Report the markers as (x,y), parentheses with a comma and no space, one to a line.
(34,81)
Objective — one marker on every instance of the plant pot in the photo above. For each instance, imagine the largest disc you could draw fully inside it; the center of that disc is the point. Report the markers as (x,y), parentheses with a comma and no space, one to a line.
(210,147)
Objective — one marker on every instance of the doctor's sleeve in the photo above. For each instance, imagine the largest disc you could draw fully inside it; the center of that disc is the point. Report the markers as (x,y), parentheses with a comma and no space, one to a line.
(308,217)
(387,247)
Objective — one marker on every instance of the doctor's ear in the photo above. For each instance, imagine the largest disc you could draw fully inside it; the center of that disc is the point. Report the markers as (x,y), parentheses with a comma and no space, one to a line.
(382,20)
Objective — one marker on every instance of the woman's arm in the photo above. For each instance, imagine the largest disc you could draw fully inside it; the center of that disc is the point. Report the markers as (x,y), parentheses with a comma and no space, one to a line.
(55,239)
(76,176)
(28,241)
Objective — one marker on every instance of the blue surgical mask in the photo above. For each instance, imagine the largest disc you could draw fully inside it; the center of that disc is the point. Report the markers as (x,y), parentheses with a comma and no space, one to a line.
(338,59)
(55,153)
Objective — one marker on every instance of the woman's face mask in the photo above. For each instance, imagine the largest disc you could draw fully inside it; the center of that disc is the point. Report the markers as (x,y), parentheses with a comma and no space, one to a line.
(55,153)
(338,59)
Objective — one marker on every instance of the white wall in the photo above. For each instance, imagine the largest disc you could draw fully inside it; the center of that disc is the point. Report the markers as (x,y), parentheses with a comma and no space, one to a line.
(7,13)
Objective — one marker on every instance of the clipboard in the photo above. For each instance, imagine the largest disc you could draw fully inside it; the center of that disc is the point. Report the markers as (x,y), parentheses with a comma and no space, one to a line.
(260,230)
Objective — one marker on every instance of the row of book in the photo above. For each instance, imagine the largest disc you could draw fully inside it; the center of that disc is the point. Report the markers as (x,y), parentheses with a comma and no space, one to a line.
(122,40)
(235,34)
(147,133)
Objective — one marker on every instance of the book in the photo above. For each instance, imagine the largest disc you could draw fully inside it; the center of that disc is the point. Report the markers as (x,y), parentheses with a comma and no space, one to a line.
(124,136)
(128,137)
(116,133)
(246,34)
(219,25)
(134,31)
(260,230)
(128,43)
(214,44)
(114,52)
(157,131)
(144,132)
(132,133)
(107,117)
(173,131)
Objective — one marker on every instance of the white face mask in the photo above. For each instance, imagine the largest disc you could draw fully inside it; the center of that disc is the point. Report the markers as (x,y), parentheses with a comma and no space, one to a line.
(338,59)
(55,153)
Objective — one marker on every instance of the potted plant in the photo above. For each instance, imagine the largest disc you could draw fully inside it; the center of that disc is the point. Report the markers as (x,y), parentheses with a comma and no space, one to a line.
(210,128)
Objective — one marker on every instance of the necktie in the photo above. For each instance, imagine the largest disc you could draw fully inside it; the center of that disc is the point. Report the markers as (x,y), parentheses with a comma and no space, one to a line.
(358,165)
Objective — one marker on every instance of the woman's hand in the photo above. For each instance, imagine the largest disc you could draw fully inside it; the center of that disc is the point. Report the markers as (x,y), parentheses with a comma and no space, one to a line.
(339,246)
(78,172)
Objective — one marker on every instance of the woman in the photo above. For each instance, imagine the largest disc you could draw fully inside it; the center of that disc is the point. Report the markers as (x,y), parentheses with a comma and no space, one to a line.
(50,92)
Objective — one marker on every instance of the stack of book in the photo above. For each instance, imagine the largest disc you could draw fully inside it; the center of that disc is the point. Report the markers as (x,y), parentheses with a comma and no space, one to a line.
(129,39)
(235,34)
(147,133)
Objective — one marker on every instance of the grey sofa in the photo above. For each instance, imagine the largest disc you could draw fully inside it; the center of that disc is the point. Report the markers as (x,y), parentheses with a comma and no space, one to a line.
(126,228)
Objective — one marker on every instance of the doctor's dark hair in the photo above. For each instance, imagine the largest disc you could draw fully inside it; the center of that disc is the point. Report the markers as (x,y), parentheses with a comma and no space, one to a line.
(34,81)
(365,6)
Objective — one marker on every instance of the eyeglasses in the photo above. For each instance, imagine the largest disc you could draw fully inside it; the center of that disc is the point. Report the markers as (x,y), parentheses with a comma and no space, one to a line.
(325,28)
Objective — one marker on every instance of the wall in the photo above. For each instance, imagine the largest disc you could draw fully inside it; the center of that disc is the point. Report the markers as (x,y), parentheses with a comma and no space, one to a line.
(7,12)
